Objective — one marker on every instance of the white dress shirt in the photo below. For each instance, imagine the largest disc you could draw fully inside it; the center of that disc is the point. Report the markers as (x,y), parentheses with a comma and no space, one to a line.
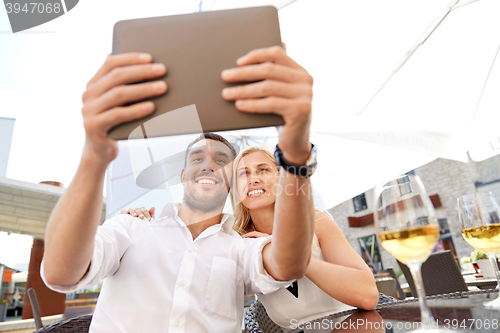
(158,279)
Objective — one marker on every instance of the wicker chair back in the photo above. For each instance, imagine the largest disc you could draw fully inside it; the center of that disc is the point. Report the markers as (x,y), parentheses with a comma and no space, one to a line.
(440,273)
(73,325)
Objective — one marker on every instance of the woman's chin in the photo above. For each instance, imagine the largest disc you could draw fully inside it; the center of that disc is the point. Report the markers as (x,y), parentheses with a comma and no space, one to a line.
(257,202)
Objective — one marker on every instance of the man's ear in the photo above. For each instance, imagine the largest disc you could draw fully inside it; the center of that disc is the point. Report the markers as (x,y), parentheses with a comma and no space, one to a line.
(182,176)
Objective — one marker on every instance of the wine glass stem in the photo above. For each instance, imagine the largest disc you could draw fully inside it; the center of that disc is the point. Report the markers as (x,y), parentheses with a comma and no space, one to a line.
(425,312)
(493,260)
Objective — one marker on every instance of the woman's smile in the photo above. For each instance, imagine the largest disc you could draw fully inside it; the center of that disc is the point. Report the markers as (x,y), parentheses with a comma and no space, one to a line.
(256,176)
(255,192)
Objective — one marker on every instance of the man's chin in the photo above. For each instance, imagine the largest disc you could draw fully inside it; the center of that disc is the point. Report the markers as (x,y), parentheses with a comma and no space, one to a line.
(219,189)
(208,188)
(209,200)
(207,207)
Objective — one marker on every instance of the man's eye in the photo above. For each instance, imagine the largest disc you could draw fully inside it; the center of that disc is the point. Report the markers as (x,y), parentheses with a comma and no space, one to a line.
(264,170)
(196,159)
(221,162)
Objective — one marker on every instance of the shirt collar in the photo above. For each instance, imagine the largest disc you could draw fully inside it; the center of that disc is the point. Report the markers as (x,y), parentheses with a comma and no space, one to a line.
(172,210)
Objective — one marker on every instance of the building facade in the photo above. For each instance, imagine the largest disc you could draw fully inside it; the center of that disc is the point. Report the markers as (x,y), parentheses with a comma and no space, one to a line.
(445,181)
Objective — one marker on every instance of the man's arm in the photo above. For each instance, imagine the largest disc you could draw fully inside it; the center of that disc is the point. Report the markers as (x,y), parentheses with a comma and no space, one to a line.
(73,223)
(288,254)
(284,88)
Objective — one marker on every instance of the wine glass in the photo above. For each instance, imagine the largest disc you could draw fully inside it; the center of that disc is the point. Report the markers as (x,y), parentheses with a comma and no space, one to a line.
(480,219)
(406,224)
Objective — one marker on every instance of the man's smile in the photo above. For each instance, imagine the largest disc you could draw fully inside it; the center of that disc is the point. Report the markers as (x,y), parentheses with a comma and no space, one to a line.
(206,181)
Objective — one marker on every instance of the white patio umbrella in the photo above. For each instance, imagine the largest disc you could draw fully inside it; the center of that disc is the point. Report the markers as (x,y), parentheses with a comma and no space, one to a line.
(415,75)
(435,104)
(349,46)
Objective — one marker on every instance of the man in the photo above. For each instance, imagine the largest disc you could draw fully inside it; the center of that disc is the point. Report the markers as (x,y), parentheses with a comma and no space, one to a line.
(186,271)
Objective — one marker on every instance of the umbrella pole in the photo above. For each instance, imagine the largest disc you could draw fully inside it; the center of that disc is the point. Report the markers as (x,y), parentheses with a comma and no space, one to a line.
(427,33)
(482,91)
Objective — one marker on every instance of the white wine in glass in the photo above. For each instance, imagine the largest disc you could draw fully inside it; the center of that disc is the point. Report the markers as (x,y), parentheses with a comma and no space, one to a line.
(479,216)
(411,244)
(406,224)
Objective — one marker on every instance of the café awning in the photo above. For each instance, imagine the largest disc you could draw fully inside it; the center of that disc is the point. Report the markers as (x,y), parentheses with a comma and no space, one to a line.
(25,207)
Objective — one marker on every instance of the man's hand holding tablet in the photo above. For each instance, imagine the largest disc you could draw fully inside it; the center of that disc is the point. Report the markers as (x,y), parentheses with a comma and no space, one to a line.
(110,90)
(283,87)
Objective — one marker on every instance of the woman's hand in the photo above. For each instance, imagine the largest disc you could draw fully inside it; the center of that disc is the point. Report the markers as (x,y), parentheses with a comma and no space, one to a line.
(140,212)
(254,234)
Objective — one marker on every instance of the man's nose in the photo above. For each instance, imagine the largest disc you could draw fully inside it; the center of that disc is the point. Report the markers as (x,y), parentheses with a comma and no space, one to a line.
(208,165)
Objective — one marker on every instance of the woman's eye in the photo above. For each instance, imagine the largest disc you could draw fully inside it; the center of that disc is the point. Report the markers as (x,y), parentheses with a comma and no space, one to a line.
(264,170)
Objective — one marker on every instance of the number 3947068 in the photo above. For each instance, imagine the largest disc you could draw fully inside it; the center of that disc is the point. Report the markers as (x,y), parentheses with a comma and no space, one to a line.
(471,324)
(33,7)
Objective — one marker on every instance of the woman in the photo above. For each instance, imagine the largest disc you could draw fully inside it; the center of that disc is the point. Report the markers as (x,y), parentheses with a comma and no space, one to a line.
(336,279)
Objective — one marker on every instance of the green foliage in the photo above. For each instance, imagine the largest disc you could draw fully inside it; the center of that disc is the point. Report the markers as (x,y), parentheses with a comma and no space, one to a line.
(476,255)
(93,290)
(465,260)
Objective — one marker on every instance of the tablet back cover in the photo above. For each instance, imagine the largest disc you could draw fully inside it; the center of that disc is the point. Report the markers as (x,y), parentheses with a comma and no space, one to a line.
(196,48)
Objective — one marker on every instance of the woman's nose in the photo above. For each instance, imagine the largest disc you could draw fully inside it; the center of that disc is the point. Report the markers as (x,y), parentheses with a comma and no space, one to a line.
(253,179)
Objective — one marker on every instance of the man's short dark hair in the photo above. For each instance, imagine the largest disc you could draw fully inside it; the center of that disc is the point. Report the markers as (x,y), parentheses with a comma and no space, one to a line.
(210,136)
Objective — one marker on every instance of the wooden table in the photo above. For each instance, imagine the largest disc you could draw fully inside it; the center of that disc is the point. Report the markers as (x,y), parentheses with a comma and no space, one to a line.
(460,314)
(482,283)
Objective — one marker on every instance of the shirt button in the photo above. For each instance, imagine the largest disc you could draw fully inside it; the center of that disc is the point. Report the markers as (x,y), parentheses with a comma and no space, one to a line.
(177,323)
(182,283)
(190,250)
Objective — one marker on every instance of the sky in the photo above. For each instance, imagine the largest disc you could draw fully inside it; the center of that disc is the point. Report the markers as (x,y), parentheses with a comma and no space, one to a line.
(349,47)
(15,249)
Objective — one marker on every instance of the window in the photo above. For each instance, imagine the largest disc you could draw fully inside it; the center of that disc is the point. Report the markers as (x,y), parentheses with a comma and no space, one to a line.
(445,240)
(359,202)
(370,252)
(494,219)
(405,185)
(444,228)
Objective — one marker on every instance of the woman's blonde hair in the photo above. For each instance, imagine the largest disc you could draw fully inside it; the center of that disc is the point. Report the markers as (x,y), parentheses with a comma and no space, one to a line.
(243,222)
